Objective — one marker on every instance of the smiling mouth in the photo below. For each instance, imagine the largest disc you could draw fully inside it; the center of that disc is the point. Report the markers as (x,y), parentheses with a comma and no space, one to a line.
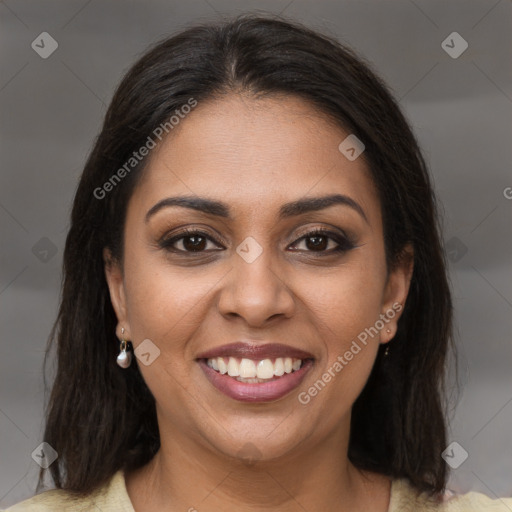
(254,371)
(255,380)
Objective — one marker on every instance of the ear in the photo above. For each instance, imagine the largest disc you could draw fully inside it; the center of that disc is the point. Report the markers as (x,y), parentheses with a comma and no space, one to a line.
(114,276)
(396,291)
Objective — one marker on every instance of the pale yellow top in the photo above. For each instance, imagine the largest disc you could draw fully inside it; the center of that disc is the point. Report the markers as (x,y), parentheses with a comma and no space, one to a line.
(114,498)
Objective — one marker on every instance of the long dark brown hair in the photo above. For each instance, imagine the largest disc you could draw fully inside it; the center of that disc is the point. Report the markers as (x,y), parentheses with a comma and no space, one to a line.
(101,418)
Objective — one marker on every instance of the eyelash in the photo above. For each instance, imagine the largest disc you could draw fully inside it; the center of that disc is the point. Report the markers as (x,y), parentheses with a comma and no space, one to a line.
(344,243)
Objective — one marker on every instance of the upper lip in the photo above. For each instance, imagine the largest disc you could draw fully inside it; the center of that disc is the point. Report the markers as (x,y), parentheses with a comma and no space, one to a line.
(260,351)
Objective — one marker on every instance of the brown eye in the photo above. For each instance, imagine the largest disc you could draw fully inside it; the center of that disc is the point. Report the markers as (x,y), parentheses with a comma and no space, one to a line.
(194,243)
(317,242)
(188,241)
(324,242)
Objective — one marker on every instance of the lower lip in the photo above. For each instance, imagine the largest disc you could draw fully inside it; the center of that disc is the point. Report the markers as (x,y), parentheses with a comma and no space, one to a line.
(256,392)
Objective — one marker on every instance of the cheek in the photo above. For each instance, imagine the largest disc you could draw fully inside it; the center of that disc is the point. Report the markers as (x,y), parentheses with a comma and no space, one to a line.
(164,304)
(346,312)
(346,307)
(160,298)
(348,300)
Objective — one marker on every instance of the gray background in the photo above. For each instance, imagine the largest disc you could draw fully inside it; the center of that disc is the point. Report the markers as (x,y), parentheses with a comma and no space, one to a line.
(460,108)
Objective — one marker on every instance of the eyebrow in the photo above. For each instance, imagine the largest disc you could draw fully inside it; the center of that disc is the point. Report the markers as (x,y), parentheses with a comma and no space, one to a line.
(294,208)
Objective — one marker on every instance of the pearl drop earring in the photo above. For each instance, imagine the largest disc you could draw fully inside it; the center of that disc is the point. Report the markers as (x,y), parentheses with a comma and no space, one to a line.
(124,358)
(386,351)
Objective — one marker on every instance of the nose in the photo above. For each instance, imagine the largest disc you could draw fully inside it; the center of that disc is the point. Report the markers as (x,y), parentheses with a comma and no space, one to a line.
(256,291)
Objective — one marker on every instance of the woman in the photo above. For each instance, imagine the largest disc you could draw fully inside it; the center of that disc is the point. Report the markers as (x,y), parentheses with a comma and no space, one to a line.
(255,312)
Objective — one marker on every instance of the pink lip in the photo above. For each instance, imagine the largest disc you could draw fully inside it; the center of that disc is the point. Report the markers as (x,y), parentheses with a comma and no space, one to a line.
(257,392)
(255,351)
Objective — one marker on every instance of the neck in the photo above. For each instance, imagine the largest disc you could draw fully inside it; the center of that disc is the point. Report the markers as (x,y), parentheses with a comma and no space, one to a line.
(187,475)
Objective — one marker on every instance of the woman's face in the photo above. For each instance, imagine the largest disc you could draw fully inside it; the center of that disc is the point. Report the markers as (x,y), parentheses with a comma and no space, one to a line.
(253,275)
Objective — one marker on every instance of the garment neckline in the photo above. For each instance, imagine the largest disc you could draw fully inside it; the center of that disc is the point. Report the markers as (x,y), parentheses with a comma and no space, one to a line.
(398,486)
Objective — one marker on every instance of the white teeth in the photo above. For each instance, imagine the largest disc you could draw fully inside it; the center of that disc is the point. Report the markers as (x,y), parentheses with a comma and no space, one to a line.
(248,370)
(279,367)
(249,381)
(265,369)
(233,368)
(223,367)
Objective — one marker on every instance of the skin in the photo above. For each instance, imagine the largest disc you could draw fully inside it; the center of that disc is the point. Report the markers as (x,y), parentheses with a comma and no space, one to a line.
(254,155)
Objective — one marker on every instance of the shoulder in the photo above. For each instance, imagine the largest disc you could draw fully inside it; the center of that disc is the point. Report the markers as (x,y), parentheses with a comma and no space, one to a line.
(112,497)
(405,498)
(47,501)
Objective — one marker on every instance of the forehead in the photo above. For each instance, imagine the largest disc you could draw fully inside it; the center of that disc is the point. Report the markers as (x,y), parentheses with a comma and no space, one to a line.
(254,154)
